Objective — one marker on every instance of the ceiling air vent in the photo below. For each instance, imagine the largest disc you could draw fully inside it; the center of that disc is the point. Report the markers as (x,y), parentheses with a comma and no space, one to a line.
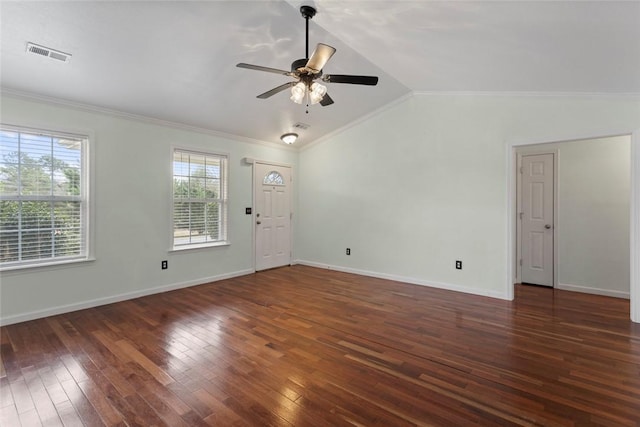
(300,125)
(45,51)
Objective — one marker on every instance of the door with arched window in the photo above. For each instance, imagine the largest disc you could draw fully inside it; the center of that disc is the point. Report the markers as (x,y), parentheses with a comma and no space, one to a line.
(272,187)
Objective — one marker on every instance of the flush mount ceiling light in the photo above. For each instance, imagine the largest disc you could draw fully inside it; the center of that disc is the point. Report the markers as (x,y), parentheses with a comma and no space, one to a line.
(289,138)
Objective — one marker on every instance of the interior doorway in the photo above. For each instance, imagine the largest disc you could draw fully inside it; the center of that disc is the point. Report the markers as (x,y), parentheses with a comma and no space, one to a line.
(632,233)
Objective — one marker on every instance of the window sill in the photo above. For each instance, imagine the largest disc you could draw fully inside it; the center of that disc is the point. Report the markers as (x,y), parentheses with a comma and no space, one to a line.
(179,249)
(45,265)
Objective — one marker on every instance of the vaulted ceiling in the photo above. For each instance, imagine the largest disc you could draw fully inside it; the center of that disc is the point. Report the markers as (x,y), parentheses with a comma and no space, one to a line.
(176,61)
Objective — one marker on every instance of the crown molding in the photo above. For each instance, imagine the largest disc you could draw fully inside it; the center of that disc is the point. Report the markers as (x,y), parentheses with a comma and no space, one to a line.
(579,95)
(297,148)
(357,121)
(582,95)
(28,96)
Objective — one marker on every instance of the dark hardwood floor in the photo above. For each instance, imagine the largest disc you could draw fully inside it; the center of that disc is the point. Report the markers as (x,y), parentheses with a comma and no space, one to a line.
(310,347)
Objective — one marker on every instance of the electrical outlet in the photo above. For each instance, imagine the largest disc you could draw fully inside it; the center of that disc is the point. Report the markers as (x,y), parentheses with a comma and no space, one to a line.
(348,251)
(165,264)
(458,265)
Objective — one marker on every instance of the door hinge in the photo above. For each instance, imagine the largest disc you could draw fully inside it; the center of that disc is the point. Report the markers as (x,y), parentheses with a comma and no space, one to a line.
(521,215)
(520,261)
(521,169)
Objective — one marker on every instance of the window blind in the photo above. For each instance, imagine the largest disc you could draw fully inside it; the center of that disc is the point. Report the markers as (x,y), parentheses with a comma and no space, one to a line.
(43,207)
(199,199)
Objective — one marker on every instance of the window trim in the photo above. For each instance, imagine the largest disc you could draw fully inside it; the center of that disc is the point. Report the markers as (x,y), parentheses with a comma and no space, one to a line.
(224,180)
(86,196)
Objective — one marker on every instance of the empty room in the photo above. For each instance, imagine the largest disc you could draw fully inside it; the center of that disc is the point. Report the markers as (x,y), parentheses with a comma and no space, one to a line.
(319,213)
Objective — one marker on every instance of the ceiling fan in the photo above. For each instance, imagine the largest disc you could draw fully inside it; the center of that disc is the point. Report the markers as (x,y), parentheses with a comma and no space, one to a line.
(306,71)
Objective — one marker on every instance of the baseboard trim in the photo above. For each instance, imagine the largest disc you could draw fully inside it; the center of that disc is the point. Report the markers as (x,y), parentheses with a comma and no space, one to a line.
(404,279)
(595,291)
(24,317)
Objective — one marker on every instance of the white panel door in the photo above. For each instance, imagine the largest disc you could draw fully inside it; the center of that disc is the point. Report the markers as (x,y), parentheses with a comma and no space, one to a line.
(272,186)
(537,219)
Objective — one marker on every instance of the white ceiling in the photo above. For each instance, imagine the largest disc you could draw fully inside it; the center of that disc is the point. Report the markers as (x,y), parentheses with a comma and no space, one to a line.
(175,61)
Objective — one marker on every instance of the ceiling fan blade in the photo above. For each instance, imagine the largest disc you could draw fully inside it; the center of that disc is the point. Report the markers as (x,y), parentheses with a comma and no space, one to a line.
(275,90)
(326,100)
(354,80)
(261,68)
(319,57)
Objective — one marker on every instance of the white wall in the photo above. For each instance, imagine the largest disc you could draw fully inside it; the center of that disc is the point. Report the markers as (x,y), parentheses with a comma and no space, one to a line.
(424,183)
(409,190)
(594,191)
(593,214)
(132,195)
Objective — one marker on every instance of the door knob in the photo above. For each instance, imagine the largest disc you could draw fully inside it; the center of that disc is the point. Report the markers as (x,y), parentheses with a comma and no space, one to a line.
(547,226)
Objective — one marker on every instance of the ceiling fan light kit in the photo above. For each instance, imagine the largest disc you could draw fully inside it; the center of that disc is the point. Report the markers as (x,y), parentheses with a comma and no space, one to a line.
(298,91)
(306,70)
(317,92)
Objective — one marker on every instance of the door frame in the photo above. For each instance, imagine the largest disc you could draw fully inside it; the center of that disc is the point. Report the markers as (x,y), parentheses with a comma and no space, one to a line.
(253,162)
(634,206)
(529,151)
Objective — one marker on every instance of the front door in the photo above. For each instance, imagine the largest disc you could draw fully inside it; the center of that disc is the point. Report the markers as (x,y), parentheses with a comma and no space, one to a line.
(272,186)
(537,219)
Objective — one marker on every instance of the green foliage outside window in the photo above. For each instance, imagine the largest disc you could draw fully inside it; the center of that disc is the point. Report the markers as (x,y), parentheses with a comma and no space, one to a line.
(40,199)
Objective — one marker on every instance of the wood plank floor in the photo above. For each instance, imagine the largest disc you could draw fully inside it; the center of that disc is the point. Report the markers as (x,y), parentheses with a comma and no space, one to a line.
(300,346)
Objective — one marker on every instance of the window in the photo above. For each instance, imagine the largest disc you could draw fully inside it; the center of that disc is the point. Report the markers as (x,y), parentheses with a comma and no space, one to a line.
(43,197)
(273,178)
(199,199)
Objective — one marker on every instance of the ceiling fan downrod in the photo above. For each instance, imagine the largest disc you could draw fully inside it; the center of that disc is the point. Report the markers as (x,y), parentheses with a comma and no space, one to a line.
(307,12)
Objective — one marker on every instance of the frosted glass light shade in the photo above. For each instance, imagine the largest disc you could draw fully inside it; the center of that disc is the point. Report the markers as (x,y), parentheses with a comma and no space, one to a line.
(289,138)
(317,93)
(297,92)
